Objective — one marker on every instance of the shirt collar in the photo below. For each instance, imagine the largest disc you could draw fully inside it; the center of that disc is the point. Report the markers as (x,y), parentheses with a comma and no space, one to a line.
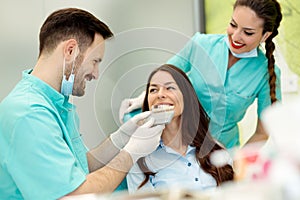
(46,89)
(190,149)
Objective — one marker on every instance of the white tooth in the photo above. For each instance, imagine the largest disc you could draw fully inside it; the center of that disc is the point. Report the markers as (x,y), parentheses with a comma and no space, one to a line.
(162,107)
(236,44)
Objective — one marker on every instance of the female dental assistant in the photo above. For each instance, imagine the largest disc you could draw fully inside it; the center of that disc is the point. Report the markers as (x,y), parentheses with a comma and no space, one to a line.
(230,71)
(228,82)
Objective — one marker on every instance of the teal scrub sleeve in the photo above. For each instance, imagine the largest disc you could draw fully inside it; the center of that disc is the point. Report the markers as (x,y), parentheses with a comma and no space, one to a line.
(128,116)
(182,58)
(40,161)
(264,100)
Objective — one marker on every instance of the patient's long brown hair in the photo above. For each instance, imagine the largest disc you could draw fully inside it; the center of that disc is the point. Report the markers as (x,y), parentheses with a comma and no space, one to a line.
(194,126)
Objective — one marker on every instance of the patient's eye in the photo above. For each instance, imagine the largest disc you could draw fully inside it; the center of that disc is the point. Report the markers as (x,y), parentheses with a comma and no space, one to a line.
(152,90)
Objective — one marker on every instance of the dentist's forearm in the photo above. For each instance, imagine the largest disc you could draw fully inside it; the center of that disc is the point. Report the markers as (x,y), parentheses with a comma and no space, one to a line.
(101,155)
(106,179)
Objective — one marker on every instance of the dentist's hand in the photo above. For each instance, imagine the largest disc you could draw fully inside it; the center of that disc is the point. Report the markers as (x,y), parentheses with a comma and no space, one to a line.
(144,140)
(129,105)
(122,135)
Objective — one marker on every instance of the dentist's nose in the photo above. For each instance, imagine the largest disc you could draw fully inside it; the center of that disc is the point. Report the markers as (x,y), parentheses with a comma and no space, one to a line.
(95,73)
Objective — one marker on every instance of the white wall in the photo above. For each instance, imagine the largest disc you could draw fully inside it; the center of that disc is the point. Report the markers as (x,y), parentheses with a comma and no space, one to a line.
(147,33)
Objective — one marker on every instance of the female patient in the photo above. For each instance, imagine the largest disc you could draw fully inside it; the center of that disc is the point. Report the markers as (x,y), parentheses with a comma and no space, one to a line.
(183,156)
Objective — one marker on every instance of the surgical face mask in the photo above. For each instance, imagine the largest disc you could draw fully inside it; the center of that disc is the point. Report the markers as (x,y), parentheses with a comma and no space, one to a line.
(249,54)
(67,85)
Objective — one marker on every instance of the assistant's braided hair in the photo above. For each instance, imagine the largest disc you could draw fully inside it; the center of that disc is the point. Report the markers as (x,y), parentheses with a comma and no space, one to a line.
(270,12)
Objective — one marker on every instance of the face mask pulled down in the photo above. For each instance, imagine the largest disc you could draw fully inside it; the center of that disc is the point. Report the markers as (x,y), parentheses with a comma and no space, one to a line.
(249,54)
(67,85)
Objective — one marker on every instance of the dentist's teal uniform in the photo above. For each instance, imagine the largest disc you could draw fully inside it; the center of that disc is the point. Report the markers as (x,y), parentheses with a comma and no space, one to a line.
(225,94)
(42,155)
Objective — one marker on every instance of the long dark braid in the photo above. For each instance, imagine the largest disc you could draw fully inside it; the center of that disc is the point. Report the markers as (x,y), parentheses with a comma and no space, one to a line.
(270,12)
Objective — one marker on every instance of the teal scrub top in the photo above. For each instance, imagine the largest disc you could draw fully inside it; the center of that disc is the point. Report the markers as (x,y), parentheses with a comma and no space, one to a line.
(42,155)
(225,94)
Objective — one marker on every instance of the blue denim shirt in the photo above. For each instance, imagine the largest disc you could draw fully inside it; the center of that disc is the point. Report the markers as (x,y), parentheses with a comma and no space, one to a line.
(172,170)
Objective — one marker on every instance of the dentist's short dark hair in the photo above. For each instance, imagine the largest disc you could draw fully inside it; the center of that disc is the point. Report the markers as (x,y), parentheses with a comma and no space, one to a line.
(71,23)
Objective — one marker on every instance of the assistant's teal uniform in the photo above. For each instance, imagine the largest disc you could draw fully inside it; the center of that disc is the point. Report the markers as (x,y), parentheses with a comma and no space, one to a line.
(225,94)
(42,155)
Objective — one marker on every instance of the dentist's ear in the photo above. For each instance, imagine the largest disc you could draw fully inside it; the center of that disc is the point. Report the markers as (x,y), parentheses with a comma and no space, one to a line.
(71,49)
(265,37)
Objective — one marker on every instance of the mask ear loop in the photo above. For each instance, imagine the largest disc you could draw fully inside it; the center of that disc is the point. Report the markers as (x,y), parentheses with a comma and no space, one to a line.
(64,66)
(73,64)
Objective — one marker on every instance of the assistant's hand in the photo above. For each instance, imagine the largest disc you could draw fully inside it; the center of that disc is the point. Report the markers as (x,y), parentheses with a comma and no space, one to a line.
(129,105)
(144,140)
(122,135)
